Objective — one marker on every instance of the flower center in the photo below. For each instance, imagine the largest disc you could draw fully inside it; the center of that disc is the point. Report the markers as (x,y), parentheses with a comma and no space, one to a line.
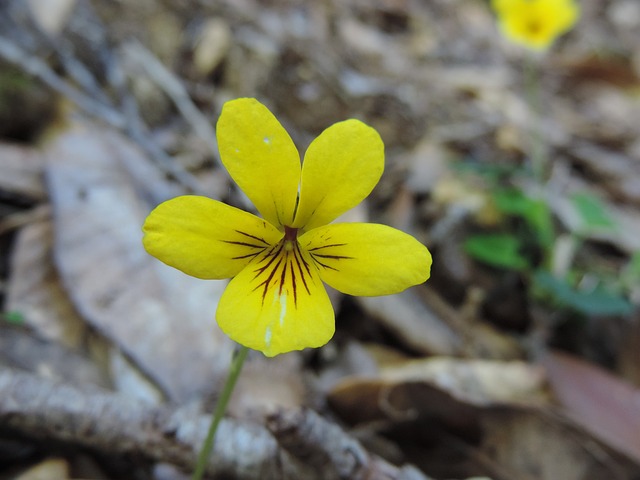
(290,234)
(283,269)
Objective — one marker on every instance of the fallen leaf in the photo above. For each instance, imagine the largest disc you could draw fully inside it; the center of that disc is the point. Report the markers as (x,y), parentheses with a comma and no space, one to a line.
(34,289)
(162,319)
(533,444)
(21,171)
(444,387)
(603,404)
(57,468)
(51,15)
(413,322)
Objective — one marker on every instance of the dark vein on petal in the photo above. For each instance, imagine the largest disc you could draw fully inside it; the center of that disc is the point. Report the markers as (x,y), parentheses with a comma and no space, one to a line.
(243,244)
(275,206)
(324,265)
(297,255)
(248,255)
(266,283)
(333,257)
(273,253)
(326,246)
(293,284)
(255,237)
(283,275)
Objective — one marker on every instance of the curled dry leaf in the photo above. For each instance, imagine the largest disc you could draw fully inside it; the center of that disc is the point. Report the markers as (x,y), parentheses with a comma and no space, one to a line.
(445,387)
(603,404)
(160,318)
(527,443)
(50,468)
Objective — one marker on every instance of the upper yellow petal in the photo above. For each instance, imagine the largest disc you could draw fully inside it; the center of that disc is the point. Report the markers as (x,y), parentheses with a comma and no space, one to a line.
(205,238)
(277,303)
(340,168)
(261,157)
(367,259)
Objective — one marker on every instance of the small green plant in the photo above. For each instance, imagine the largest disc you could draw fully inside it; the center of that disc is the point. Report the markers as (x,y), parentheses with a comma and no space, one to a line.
(528,240)
(526,243)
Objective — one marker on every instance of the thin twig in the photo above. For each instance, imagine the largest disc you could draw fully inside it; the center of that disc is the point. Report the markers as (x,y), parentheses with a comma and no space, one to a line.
(326,447)
(40,70)
(45,410)
(175,90)
(32,65)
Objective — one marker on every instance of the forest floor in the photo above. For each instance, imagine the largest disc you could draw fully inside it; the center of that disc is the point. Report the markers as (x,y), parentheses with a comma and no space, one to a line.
(519,359)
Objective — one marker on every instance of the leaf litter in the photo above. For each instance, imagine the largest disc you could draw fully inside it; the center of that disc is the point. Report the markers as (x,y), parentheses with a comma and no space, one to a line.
(447,371)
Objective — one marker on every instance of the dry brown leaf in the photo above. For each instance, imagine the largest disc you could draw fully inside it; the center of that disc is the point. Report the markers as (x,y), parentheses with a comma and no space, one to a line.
(35,291)
(629,353)
(21,169)
(479,382)
(603,404)
(48,469)
(437,386)
(22,349)
(212,46)
(162,319)
(531,444)
(428,163)
(413,322)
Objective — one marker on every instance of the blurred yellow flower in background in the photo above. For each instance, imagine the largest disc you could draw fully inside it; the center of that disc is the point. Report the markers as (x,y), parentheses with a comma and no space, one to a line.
(276,301)
(535,24)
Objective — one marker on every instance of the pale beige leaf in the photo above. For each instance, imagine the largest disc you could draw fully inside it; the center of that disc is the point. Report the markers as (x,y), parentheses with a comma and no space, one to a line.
(34,289)
(162,319)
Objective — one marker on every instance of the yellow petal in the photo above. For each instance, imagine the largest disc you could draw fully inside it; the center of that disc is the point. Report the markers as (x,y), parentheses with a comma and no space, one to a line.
(205,238)
(535,23)
(367,259)
(340,169)
(277,303)
(261,157)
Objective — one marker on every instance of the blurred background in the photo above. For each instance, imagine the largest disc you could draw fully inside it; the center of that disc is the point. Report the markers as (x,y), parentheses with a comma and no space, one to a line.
(519,169)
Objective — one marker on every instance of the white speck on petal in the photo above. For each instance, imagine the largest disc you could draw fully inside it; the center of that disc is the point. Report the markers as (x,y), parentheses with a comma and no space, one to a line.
(267,337)
(267,140)
(283,307)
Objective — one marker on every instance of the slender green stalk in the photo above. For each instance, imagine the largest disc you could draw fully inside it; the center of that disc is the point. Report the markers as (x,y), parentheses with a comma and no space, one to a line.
(538,150)
(221,407)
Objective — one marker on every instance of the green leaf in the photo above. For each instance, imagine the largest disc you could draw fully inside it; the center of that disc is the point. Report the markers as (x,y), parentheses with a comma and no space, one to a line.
(593,212)
(630,276)
(512,202)
(498,250)
(534,211)
(597,302)
(13,317)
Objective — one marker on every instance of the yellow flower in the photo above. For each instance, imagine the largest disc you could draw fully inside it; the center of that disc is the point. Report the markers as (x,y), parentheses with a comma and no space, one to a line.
(535,23)
(276,301)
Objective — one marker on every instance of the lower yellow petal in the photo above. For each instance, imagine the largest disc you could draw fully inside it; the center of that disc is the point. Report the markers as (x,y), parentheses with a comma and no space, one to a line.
(277,303)
(205,238)
(367,259)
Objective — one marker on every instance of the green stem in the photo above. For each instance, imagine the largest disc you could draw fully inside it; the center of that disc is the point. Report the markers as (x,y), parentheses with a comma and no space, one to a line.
(538,154)
(221,407)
